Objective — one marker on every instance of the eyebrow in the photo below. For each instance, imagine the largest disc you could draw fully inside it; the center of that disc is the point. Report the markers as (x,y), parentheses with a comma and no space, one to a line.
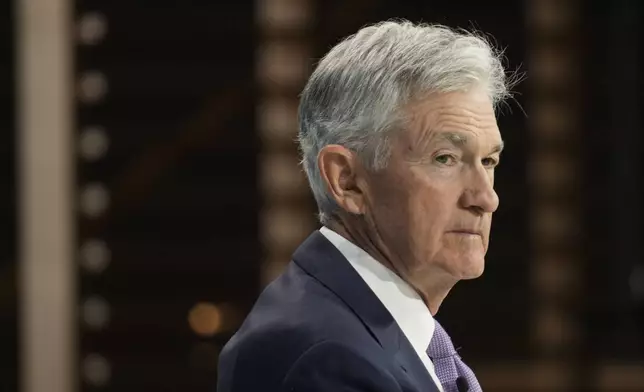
(460,140)
(498,148)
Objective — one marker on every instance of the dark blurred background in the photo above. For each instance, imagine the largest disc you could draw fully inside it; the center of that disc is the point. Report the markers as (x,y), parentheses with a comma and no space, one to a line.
(187,198)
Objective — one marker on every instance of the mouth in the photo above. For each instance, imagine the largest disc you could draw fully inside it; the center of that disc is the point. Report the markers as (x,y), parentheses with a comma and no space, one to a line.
(467,232)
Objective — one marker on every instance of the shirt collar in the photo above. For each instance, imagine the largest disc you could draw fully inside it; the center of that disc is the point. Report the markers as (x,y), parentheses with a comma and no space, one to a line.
(399,298)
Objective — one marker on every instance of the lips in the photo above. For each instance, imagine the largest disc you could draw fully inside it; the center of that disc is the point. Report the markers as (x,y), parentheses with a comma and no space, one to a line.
(467,232)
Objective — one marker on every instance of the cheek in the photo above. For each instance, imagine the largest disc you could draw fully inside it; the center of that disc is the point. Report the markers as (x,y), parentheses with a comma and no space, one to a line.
(429,213)
(390,210)
(429,217)
(414,211)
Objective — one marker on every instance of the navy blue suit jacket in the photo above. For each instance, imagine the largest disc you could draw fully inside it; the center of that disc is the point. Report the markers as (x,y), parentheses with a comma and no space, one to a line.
(319,327)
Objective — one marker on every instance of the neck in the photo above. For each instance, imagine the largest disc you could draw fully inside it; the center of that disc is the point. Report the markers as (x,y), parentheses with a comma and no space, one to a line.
(432,287)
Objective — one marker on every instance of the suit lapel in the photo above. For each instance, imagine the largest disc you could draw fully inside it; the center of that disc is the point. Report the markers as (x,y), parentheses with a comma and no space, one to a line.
(324,262)
(411,364)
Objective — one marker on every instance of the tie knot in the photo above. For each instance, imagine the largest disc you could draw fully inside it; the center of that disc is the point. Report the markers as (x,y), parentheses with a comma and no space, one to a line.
(441,345)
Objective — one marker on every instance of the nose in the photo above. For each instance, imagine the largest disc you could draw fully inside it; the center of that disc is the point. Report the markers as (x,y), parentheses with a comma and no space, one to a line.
(479,195)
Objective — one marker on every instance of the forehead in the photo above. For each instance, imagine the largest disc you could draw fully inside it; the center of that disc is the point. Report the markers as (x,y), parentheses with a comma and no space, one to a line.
(469,114)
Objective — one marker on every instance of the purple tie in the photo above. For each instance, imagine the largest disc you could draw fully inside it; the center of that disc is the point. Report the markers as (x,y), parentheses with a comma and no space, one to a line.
(453,373)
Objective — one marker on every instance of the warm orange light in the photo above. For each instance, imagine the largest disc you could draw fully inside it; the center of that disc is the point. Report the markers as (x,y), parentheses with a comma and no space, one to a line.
(205,319)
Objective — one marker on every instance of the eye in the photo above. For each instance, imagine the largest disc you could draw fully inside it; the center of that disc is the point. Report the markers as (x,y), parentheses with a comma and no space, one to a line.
(445,159)
(490,162)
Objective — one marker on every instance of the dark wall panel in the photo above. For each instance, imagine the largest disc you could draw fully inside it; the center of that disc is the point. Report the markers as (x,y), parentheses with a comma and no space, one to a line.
(8,217)
(180,171)
(614,165)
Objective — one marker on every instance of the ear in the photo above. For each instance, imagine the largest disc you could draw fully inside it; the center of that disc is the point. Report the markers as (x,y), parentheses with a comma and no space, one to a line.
(340,170)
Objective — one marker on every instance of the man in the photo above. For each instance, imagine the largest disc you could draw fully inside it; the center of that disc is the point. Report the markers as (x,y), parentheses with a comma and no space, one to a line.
(399,142)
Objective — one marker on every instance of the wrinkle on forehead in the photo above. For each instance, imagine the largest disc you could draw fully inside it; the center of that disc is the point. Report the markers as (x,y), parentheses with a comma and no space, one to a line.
(450,113)
(479,116)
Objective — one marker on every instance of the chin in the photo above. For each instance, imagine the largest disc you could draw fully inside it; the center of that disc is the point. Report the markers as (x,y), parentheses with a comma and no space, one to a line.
(470,268)
(462,265)
(473,274)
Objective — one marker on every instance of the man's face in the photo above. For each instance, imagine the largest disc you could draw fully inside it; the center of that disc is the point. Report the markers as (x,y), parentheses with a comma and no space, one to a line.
(433,204)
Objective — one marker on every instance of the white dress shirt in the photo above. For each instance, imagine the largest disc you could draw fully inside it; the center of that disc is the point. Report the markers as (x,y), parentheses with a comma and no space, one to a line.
(403,303)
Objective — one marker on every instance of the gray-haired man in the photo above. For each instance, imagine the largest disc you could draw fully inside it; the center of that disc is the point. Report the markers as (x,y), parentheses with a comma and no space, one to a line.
(400,142)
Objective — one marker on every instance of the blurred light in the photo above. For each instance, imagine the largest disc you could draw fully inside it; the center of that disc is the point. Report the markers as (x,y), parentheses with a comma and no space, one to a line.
(282,67)
(554,329)
(204,356)
(550,15)
(281,176)
(555,223)
(92,87)
(554,276)
(205,319)
(552,173)
(94,200)
(96,312)
(271,269)
(93,143)
(96,370)
(551,120)
(283,14)
(555,216)
(92,28)
(551,65)
(95,256)
(277,120)
(284,64)
(283,228)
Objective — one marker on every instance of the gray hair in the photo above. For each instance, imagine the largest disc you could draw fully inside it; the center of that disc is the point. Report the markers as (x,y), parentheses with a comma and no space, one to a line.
(355,95)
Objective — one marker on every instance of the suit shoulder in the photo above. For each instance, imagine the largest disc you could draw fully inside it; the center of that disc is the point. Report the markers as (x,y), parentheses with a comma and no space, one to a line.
(332,365)
(292,315)
(260,358)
